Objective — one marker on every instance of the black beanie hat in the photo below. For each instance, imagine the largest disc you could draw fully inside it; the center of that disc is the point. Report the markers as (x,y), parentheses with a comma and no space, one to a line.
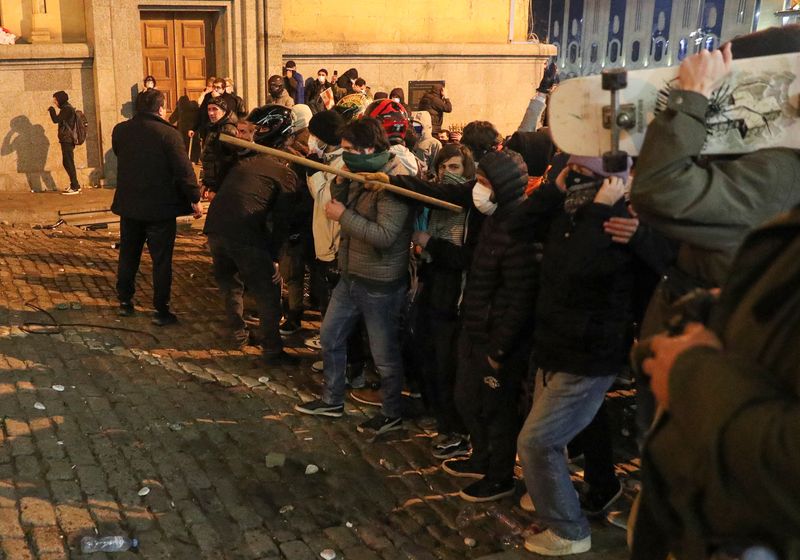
(61,97)
(327,126)
(507,173)
(220,102)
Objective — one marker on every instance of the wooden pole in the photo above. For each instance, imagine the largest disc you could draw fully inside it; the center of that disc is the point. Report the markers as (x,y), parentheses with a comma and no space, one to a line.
(228,139)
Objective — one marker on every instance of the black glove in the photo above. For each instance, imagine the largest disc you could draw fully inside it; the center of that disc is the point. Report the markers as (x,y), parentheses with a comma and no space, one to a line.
(549,78)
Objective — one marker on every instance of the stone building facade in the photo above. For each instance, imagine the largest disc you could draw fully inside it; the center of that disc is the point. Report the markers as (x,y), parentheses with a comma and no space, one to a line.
(100,50)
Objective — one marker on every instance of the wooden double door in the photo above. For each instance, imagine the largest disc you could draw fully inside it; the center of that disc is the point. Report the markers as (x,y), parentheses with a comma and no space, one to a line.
(177,50)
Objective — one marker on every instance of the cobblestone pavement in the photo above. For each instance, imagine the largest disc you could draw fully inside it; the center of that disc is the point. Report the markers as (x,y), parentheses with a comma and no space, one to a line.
(174,410)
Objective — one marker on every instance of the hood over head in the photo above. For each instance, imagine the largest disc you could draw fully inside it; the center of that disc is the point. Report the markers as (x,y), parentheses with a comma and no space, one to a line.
(61,98)
(423,118)
(536,148)
(508,174)
(301,115)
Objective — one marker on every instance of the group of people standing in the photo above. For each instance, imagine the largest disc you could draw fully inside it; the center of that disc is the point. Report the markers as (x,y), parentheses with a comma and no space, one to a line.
(513,316)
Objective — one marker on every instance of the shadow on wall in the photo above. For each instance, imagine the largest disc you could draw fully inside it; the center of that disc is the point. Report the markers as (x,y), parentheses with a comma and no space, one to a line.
(31,145)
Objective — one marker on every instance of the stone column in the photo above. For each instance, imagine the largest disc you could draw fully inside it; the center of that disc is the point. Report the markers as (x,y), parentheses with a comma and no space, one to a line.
(40,33)
(113,31)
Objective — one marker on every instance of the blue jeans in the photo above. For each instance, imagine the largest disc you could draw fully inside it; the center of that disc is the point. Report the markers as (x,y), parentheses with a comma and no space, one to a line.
(563,405)
(381,310)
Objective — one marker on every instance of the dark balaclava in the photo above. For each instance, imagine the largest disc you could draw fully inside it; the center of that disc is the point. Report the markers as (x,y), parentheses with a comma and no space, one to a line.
(275,86)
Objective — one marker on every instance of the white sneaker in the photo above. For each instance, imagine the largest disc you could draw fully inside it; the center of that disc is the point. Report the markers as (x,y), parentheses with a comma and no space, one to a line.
(547,543)
(526,503)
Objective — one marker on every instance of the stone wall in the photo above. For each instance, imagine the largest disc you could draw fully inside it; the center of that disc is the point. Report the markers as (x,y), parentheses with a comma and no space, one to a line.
(491,82)
(409,21)
(30,157)
(62,22)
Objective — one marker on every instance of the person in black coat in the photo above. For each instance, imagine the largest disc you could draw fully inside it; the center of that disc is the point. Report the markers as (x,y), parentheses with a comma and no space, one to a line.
(583,320)
(244,238)
(437,105)
(493,348)
(67,121)
(217,157)
(155,184)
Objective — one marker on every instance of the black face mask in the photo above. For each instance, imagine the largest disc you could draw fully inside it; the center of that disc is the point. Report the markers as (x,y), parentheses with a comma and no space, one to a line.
(579,180)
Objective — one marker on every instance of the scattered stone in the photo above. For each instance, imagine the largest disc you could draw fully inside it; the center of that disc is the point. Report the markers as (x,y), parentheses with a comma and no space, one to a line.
(144,491)
(177,427)
(286,509)
(312,469)
(62,306)
(348,525)
(275,460)
(58,388)
(75,305)
(39,406)
(264,379)
(328,554)
(470,542)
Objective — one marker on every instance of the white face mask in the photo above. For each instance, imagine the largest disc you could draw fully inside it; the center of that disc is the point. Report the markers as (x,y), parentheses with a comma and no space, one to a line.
(396,99)
(322,79)
(316,145)
(482,198)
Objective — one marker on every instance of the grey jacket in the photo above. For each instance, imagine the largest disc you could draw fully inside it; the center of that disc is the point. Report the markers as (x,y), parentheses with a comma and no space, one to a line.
(376,233)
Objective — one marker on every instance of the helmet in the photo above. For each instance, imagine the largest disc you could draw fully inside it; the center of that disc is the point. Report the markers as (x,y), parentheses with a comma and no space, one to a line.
(393,118)
(274,124)
(351,106)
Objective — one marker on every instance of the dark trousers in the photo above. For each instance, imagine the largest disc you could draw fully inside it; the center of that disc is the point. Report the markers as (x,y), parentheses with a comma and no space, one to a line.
(160,239)
(437,339)
(68,161)
(237,266)
(598,452)
(323,281)
(492,416)
(293,270)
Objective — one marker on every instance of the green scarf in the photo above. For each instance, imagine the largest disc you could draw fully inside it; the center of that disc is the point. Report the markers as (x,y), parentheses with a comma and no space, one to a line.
(369,163)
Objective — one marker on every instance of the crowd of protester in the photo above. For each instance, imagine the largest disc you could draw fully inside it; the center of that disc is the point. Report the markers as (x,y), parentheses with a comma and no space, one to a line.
(513,318)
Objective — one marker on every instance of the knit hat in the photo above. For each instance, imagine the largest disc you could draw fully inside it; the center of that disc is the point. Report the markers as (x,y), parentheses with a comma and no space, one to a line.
(61,97)
(507,173)
(380,95)
(220,102)
(327,126)
(301,114)
(595,165)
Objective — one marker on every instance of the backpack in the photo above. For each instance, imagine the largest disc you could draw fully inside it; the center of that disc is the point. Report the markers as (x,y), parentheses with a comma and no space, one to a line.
(81,127)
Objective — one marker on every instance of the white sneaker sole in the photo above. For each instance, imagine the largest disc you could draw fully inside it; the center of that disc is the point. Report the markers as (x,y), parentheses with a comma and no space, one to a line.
(575,547)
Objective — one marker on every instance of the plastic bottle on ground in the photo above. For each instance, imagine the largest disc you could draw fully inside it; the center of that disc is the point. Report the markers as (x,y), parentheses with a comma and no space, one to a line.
(107,544)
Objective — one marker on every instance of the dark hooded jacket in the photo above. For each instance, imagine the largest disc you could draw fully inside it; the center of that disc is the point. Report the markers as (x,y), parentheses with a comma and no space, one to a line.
(66,118)
(437,105)
(217,158)
(344,84)
(499,297)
